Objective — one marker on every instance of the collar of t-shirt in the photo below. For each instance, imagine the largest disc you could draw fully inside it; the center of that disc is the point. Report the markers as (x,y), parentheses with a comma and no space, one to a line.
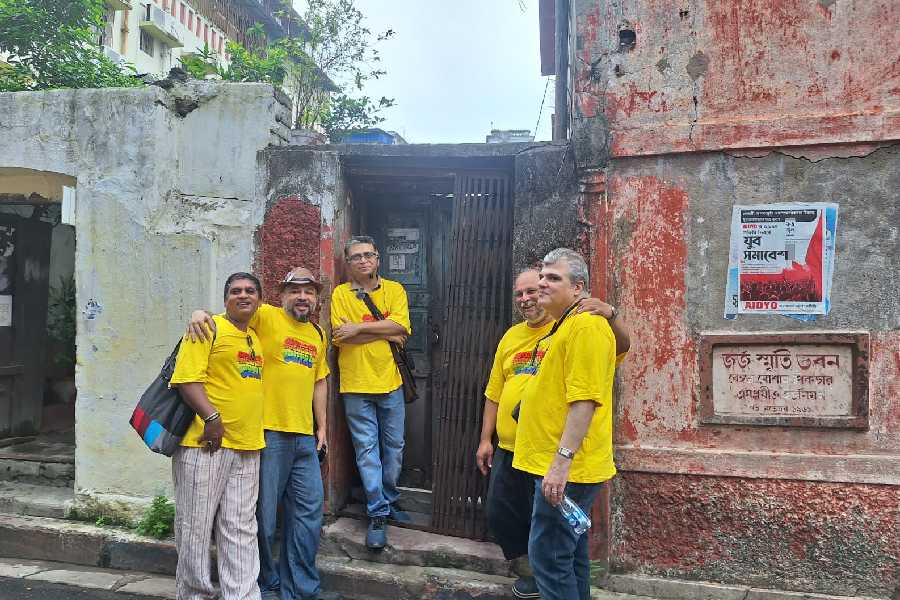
(360,289)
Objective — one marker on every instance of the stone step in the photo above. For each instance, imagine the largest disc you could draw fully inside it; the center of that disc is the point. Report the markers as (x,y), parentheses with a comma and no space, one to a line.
(408,547)
(37,471)
(35,500)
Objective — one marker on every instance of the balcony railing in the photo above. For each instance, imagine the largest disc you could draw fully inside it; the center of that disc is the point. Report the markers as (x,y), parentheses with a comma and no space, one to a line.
(119,4)
(161,25)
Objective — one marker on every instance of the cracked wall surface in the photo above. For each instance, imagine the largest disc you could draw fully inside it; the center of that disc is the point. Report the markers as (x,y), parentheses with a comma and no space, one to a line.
(706,75)
(167,205)
(681,111)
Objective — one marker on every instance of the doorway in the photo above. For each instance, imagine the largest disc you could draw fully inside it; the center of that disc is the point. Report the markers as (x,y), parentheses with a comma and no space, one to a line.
(445,234)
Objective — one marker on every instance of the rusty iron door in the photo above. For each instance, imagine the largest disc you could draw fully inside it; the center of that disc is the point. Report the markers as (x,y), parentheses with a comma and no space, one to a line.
(24,273)
(478,311)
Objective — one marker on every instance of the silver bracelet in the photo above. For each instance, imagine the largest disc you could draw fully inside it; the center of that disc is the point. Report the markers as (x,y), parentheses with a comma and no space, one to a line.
(212,417)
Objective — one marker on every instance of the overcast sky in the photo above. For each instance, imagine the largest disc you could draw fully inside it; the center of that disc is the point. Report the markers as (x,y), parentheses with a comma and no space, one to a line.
(455,67)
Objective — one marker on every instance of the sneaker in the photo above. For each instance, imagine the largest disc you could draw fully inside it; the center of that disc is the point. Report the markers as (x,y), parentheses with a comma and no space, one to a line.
(399,516)
(525,587)
(376,536)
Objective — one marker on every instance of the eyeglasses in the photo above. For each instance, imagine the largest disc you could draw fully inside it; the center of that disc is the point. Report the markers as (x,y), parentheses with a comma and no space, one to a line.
(355,258)
(252,352)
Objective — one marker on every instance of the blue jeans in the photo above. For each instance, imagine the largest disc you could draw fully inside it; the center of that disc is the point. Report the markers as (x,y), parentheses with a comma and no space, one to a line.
(290,477)
(376,426)
(562,568)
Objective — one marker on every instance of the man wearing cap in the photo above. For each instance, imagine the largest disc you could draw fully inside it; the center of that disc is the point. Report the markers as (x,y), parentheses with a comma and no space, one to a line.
(295,391)
(371,386)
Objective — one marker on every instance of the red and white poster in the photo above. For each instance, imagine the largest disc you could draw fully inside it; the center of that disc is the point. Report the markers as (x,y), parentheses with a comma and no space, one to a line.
(781,259)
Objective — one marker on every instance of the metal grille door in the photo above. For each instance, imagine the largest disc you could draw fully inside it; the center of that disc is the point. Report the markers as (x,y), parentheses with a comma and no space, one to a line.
(479,309)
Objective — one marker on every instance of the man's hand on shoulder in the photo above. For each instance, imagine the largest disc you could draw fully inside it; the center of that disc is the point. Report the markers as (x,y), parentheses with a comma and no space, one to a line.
(595,306)
(197,326)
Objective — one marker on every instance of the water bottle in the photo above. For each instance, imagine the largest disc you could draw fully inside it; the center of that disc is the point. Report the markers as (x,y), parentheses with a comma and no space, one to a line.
(579,521)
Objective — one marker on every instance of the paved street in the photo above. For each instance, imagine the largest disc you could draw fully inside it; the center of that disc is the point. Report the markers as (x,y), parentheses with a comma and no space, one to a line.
(23,589)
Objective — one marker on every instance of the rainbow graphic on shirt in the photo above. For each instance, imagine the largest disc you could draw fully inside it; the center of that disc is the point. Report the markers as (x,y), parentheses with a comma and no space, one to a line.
(521,362)
(298,352)
(249,365)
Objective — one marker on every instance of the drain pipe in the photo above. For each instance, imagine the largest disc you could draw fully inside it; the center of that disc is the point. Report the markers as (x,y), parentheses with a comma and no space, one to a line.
(561,120)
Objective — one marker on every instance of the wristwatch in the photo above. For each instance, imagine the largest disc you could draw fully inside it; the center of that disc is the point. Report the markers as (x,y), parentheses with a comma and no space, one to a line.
(615,313)
(565,452)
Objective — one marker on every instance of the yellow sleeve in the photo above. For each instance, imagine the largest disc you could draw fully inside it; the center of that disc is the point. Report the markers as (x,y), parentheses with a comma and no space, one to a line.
(322,370)
(262,318)
(590,354)
(338,309)
(399,309)
(496,380)
(192,361)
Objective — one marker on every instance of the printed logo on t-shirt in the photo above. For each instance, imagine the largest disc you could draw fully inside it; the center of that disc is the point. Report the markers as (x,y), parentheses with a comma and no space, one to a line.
(249,365)
(521,362)
(298,352)
(370,318)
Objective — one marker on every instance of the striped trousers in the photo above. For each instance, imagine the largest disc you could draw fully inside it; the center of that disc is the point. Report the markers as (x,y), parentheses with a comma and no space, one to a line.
(216,491)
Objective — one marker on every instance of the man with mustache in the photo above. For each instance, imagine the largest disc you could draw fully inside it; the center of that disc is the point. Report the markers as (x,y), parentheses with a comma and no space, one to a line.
(295,391)
(509,501)
(216,468)
(371,387)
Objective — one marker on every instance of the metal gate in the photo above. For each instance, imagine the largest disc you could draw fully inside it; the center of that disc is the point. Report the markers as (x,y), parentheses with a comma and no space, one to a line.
(479,309)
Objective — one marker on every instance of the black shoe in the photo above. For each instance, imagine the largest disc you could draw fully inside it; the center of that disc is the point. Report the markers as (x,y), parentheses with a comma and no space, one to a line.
(376,535)
(525,587)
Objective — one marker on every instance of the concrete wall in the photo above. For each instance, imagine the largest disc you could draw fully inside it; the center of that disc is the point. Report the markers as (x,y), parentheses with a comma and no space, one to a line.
(717,104)
(168,199)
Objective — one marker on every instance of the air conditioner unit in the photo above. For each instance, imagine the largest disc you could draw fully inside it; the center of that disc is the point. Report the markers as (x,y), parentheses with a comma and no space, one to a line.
(119,4)
(113,55)
(161,25)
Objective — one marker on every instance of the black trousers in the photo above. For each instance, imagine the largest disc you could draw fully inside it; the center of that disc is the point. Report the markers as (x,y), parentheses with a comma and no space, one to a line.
(509,505)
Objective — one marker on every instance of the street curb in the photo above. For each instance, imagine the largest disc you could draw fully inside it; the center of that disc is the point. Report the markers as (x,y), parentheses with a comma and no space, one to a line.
(42,538)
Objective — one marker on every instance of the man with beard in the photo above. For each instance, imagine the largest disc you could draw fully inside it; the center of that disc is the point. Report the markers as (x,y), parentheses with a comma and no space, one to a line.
(295,390)
(216,468)
(371,386)
(509,501)
(564,434)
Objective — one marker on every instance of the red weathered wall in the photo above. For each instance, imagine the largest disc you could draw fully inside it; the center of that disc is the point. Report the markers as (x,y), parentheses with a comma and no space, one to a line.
(786,534)
(742,102)
(289,237)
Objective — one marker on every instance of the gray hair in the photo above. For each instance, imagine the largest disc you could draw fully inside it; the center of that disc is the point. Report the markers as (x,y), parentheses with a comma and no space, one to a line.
(578,269)
(358,239)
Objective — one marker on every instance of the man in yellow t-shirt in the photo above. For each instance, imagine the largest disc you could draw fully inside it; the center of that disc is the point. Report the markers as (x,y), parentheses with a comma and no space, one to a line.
(295,394)
(564,433)
(509,502)
(216,469)
(370,383)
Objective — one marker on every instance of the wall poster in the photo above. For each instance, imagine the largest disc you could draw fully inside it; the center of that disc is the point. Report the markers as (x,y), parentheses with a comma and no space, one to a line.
(781,260)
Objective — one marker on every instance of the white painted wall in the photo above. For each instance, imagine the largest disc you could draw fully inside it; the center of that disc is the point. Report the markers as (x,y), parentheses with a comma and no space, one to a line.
(166,208)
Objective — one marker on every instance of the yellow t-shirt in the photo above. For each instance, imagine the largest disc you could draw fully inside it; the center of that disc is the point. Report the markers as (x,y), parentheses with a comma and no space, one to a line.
(231,375)
(509,374)
(295,358)
(369,368)
(578,364)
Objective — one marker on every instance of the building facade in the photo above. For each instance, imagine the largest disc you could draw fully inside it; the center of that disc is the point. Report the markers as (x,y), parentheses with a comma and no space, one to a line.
(153,35)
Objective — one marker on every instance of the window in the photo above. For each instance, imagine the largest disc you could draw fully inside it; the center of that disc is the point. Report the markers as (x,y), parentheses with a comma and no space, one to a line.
(190,20)
(181,13)
(146,43)
(206,34)
(213,44)
(221,44)
(106,33)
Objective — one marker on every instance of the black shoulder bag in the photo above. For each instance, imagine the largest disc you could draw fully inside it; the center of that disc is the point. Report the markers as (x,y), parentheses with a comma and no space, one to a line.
(404,361)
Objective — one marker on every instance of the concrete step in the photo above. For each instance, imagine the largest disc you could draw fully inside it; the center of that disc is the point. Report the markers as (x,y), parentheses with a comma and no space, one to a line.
(408,547)
(35,500)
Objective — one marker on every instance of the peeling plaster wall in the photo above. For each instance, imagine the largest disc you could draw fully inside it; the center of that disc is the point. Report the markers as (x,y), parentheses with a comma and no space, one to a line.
(706,74)
(167,202)
(708,105)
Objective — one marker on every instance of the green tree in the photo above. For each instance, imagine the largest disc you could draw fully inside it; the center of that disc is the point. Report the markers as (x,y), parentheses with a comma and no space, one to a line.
(54,44)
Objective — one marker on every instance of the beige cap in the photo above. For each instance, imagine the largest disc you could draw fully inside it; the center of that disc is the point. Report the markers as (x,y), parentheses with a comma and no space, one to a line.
(300,276)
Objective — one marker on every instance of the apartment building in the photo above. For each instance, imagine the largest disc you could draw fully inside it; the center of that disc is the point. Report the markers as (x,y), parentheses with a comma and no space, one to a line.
(153,34)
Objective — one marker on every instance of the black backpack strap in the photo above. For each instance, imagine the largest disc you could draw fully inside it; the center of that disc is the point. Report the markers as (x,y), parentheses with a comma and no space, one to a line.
(364,296)
(319,331)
